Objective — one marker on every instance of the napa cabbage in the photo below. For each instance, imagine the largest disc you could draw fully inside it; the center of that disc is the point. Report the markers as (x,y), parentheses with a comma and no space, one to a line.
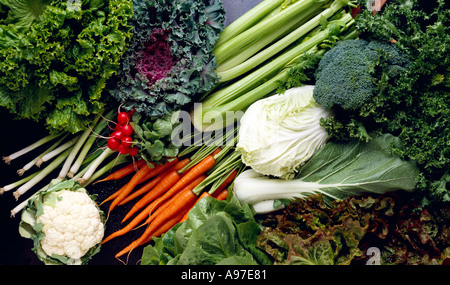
(279,133)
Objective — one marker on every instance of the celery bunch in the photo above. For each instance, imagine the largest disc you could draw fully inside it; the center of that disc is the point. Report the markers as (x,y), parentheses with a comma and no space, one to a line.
(256,52)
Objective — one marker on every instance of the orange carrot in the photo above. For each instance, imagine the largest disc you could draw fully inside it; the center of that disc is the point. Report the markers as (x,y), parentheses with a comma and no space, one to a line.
(130,226)
(159,169)
(162,207)
(200,168)
(165,184)
(183,202)
(135,180)
(222,195)
(225,183)
(144,189)
(124,171)
(149,185)
(165,227)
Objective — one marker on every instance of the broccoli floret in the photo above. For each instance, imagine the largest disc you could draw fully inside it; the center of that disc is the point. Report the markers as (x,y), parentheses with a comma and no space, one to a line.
(348,73)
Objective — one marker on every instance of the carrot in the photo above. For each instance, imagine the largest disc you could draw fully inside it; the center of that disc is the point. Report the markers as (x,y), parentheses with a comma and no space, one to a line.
(222,195)
(149,185)
(133,223)
(164,206)
(135,180)
(124,171)
(225,183)
(165,227)
(155,171)
(183,202)
(159,169)
(130,226)
(200,168)
(169,180)
(144,189)
(185,171)
(141,216)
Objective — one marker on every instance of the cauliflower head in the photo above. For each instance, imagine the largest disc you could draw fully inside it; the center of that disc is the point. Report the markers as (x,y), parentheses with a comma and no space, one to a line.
(72,225)
(65,223)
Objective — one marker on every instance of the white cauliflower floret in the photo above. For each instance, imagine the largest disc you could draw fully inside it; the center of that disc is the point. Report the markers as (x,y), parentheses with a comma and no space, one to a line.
(72,226)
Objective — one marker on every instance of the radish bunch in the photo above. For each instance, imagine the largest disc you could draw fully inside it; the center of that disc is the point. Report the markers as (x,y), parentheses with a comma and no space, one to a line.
(120,139)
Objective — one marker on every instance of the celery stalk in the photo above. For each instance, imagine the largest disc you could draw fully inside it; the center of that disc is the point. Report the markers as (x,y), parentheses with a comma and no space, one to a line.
(261,29)
(247,20)
(260,82)
(263,43)
(240,68)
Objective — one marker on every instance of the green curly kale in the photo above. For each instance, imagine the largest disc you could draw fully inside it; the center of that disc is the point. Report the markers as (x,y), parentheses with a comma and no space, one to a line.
(170,57)
(414,107)
(56,56)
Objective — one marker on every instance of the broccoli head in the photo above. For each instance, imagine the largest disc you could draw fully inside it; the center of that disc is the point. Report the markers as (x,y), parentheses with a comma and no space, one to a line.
(348,73)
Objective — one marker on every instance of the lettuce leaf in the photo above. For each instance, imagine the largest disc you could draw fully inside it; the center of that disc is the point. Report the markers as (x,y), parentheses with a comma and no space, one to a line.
(310,232)
(56,58)
(217,232)
(170,58)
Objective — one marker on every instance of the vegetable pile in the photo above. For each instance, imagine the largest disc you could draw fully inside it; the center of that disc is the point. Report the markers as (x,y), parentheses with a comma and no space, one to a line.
(304,132)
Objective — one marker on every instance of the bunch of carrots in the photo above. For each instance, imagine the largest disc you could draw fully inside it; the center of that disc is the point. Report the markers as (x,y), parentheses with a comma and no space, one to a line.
(170,190)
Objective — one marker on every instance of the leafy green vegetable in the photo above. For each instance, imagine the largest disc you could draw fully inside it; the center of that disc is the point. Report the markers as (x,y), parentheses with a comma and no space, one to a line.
(280,133)
(413,107)
(216,233)
(338,171)
(169,60)
(55,58)
(153,136)
(309,231)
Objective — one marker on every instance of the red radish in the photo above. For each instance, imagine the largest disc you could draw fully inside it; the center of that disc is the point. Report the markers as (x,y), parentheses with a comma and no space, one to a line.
(133,151)
(118,128)
(123,149)
(127,130)
(117,135)
(123,118)
(127,141)
(113,143)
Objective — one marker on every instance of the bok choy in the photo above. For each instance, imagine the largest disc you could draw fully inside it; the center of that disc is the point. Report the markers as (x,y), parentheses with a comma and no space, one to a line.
(337,170)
